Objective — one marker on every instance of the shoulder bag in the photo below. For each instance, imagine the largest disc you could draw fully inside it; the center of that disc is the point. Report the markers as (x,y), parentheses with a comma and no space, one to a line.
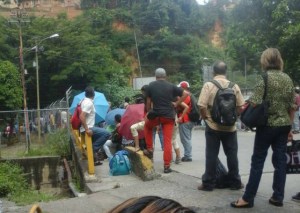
(256,115)
(293,157)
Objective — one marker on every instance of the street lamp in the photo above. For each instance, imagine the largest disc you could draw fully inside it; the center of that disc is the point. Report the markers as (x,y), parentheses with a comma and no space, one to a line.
(37,43)
(207,70)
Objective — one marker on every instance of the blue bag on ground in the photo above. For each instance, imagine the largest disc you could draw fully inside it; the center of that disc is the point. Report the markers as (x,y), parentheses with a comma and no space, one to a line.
(120,164)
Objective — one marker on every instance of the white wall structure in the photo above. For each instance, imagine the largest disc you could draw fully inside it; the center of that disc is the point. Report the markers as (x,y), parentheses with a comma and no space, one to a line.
(137,83)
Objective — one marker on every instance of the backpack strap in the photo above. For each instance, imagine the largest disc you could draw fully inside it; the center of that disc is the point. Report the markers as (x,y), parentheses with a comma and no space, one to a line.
(215,82)
(231,84)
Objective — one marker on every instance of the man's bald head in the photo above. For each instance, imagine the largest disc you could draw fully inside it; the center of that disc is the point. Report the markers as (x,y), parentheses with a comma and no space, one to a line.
(219,68)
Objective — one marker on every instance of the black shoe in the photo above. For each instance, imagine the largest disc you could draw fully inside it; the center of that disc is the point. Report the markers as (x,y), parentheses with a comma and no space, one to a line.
(167,170)
(296,197)
(185,159)
(205,188)
(97,163)
(100,154)
(274,202)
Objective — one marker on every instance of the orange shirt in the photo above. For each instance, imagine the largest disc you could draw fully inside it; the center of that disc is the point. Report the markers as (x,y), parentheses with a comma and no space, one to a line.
(185,118)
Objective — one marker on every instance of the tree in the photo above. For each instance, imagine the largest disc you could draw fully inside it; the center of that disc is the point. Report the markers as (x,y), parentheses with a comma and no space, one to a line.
(257,24)
(10,87)
(99,45)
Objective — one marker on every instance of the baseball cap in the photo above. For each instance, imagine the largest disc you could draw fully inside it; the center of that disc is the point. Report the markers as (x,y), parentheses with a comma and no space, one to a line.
(184,84)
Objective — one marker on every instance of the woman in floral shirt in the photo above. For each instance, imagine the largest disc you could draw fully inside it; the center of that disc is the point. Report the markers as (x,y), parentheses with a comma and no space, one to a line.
(280,94)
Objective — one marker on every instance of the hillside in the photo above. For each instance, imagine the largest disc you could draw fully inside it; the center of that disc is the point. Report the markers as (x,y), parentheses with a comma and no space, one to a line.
(46,9)
(108,45)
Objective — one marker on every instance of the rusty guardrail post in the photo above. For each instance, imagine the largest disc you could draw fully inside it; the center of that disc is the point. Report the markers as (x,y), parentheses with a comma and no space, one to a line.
(35,209)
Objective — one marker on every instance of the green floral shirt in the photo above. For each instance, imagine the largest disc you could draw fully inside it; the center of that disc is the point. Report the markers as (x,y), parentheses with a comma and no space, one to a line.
(280,94)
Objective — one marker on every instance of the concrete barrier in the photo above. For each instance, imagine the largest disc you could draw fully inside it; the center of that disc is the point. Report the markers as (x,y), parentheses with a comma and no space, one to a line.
(141,165)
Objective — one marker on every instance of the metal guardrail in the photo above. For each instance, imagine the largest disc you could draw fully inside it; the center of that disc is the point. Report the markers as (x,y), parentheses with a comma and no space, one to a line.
(84,143)
(35,209)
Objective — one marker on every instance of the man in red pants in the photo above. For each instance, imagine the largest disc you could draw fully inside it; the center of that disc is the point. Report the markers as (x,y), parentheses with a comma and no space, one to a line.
(160,107)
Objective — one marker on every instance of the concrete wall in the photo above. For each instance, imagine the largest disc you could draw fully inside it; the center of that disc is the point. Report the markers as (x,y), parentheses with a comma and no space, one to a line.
(41,172)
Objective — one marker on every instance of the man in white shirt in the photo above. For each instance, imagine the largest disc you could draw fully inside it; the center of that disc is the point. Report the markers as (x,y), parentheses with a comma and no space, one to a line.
(87,117)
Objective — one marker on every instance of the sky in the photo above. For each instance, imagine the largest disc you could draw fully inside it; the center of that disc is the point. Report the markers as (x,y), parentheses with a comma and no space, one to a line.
(202,2)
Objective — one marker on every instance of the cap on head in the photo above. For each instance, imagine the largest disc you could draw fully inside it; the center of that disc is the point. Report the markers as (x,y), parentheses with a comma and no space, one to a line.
(160,73)
(184,84)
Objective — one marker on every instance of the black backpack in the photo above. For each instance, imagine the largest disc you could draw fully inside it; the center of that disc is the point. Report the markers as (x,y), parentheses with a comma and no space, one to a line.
(194,114)
(224,107)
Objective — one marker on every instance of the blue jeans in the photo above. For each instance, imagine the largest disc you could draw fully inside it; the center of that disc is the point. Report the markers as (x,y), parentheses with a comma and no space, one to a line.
(276,137)
(185,133)
(99,137)
(160,135)
(230,146)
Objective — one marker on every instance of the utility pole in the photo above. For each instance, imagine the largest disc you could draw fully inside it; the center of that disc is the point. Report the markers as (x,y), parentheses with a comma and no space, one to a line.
(138,55)
(245,70)
(19,16)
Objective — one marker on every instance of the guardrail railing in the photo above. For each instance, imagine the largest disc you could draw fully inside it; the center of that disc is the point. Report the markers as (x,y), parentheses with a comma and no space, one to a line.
(84,143)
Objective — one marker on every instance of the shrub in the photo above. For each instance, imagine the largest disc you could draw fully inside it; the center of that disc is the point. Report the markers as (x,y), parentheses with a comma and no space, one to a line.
(57,143)
(12,180)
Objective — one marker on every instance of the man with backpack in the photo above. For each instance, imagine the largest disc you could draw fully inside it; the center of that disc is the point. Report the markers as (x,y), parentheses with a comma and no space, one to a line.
(220,102)
(185,125)
(87,117)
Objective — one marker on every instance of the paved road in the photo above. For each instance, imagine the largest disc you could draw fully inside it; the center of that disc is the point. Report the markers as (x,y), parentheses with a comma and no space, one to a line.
(181,185)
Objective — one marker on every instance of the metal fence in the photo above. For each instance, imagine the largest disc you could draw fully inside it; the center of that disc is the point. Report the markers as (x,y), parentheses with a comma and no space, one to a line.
(52,118)
(13,124)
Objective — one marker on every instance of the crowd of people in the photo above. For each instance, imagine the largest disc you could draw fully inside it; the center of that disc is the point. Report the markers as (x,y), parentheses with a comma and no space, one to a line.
(166,110)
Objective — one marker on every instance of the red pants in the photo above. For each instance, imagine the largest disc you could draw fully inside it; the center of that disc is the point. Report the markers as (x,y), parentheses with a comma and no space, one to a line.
(167,129)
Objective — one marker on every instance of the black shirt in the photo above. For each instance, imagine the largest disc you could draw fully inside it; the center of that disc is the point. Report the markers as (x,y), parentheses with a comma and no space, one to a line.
(162,93)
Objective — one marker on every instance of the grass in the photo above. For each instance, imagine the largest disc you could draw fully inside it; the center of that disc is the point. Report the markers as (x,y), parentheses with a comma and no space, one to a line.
(31,196)
(55,144)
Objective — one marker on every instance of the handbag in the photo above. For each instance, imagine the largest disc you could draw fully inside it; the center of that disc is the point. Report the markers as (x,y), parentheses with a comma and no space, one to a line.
(151,114)
(293,158)
(256,115)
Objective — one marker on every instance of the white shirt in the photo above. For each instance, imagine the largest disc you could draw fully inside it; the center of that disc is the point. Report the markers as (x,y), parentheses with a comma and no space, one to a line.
(87,106)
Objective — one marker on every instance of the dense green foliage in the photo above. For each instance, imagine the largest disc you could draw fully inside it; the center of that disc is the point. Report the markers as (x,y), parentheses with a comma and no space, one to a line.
(11,179)
(10,86)
(257,24)
(99,48)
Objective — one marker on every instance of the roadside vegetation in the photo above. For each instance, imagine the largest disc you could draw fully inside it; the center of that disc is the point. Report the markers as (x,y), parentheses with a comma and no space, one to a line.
(55,144)
(14,187)
(13,182)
